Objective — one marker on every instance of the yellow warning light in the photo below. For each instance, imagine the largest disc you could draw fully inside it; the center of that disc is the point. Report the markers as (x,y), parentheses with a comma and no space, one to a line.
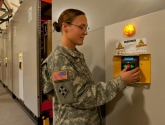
(129,30)
(20,54)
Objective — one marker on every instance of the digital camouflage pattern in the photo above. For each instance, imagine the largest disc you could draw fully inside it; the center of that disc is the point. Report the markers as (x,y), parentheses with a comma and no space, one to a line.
(78,98)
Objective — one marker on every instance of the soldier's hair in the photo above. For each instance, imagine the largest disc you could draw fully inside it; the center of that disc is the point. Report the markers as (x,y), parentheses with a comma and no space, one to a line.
(67,16)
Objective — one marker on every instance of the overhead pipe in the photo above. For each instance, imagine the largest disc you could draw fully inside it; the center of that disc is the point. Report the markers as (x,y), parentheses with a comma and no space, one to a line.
(9,6)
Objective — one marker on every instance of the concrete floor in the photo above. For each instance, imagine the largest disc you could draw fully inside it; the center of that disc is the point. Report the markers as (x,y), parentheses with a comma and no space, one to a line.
(10,111)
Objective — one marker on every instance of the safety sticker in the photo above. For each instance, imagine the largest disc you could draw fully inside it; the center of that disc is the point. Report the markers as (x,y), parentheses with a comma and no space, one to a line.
(60,75)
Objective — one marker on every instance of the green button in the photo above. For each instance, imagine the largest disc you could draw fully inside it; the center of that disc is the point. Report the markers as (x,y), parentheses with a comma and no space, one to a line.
(124,65)
(132,66)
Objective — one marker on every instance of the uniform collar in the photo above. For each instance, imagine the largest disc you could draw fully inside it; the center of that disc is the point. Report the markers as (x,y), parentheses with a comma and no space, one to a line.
(73,53)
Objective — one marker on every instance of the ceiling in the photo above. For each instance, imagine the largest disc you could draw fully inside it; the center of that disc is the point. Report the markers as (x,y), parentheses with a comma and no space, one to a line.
(6,12)
(46,11)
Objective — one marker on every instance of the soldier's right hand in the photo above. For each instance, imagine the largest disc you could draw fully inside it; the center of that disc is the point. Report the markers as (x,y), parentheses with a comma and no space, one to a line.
(130,76)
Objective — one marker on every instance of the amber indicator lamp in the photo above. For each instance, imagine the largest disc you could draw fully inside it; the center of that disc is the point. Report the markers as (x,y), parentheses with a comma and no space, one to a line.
(129,30)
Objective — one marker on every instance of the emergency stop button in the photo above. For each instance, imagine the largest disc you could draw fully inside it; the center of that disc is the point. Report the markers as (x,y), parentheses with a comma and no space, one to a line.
(128,66)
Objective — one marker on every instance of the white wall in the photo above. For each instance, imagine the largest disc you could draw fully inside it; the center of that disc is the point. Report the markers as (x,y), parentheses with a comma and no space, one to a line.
(139,105)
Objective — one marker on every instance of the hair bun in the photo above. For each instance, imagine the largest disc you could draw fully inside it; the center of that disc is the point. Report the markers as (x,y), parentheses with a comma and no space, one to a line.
(56,27)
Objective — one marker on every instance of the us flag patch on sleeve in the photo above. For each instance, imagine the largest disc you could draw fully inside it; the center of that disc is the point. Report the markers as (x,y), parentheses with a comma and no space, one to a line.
(60,75)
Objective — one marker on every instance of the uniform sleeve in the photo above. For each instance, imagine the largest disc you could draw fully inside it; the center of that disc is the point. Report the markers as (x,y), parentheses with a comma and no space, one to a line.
(47,83)
(92,95)
(89,95)
(81,92)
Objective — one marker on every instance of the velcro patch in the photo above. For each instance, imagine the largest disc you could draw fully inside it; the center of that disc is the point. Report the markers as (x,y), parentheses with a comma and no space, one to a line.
(60,75)
(63,91)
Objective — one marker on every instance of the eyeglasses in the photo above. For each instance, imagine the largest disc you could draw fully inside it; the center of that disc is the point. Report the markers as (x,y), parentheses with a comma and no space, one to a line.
(84,28)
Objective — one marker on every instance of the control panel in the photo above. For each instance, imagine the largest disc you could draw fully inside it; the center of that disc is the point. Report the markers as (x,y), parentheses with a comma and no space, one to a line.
(143,61)
(130,61)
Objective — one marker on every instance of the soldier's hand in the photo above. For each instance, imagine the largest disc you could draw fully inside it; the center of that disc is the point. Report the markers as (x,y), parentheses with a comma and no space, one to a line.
(130,76)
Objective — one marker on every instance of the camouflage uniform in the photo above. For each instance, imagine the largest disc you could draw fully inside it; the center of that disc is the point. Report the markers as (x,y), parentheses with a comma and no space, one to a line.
(77,97)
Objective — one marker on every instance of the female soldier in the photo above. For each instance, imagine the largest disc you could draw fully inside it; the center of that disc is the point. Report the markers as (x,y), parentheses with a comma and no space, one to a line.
(67,77)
